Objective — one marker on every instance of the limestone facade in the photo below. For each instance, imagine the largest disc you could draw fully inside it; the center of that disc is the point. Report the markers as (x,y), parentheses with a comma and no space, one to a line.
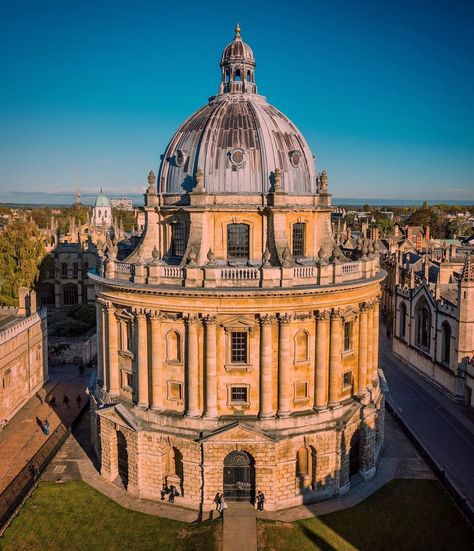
(238,345)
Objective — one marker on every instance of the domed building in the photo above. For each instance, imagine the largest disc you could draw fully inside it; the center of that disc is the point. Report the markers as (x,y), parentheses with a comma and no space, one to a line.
(102,211)
(238,344)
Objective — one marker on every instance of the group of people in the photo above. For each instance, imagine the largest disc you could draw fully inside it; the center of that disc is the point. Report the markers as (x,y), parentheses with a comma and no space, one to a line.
(170,491)
(221,504)
(52,401)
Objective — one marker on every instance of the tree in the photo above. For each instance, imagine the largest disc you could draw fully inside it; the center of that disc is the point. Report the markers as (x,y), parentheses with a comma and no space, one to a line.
(21,252)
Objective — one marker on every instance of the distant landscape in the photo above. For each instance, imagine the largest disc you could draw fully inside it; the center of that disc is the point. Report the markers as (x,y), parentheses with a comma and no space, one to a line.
(21,198)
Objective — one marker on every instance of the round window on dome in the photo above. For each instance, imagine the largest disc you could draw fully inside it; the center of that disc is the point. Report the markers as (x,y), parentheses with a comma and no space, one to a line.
(180,157)
(295,157)
(237,157)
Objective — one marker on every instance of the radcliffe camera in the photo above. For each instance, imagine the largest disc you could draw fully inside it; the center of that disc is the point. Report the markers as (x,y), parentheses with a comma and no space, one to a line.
(221,331)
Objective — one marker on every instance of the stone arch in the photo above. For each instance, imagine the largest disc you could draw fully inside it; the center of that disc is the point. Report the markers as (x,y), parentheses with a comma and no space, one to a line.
(305,471)
(174,346)
(354,453)
(174,468)
(423,324)
(239,476)
(445,342)
(301,345)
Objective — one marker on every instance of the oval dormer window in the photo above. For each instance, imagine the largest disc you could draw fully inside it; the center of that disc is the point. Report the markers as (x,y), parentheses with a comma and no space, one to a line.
(237,156)
(180,157)
(295,157)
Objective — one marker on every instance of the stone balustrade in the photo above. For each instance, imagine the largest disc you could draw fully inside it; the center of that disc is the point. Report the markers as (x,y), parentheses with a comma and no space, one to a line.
(155,273)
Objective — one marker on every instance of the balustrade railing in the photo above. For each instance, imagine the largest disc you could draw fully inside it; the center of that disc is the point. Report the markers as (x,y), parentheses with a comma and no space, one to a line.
(240,273)
(304,272)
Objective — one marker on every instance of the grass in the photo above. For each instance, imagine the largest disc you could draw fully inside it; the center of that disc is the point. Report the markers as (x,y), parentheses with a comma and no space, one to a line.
(405,515)
(74,516)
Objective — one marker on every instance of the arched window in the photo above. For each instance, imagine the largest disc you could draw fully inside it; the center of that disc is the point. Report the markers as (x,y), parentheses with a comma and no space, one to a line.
(173,347)
(178,239)
(423,325)
(445,342)
(238,241)
(305,467)
(299,230)
(403,320)
(227,77)
(64,269)
(248,76)
(237,75)
(301,346)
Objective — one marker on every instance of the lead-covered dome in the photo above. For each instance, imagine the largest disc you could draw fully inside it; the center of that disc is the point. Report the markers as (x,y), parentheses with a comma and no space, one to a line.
(238,139)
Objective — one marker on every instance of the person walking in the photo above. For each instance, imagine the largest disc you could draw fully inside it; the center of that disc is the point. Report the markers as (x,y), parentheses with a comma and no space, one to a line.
(260,501)
(164,491)
(173,493)
(52,401)
(46,427)
(222,506)
(78,401)
(66,401)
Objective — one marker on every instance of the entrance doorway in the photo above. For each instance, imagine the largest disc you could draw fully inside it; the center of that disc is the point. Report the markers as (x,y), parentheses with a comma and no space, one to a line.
(239,477)
(122,453)
(354,454)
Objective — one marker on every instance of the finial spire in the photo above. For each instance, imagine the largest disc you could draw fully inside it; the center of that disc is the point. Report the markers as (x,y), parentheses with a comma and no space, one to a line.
(237,30)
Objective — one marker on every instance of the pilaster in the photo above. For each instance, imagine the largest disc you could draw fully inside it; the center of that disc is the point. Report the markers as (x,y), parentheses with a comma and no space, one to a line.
(284,370)
(266,383)
(210,322)
(321,378)
(335,358)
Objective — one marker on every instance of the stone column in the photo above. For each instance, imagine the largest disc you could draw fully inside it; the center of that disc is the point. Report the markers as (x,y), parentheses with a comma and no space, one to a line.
(363,335)
(266,383)
(100,343)
(112,375)
(192,382)
(335,358)
(284,367)
(142,359)
(370,345)
(321,371)
(156,365)
(211,368)
(375,356)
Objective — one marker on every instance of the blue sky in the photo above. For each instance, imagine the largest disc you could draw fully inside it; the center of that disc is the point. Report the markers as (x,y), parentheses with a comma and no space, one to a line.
(383,91)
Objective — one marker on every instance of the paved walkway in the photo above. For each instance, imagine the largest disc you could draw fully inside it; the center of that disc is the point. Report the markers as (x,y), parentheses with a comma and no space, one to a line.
(444,428)
(23,436)
(240,527)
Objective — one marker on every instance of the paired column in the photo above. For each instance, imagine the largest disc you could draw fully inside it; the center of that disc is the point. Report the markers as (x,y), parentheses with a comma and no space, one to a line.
(370,345)
(375,331)
(211,367)
(363,335)
(112,375)
(100,343)
(284,367)
(156,365)
(266,383)
(335,358)
(142,359)
(321,378)
(192,383)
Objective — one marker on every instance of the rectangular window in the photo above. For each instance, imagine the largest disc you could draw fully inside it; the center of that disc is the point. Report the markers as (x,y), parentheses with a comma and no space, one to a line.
(238,347)
(237,241)
(347,379)
(347,336)
(127,380)
(7,378)
(178,239)
(301,390)
(175,390)
(239,394)
(298,239)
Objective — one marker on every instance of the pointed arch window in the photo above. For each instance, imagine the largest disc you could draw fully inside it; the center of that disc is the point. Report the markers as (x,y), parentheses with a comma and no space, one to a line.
(445,342)
(423,325)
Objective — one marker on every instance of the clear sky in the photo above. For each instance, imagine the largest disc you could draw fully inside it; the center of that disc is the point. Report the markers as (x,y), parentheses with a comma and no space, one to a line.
(382,90)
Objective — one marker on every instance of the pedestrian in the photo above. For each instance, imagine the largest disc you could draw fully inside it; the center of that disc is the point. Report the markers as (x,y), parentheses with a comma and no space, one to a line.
(52,401)
(164,491)
(217,500)
(66,401)
(46,427)
(81,369)
(171,494)
(78,401)
(260,501)
(222,505)
(36,472)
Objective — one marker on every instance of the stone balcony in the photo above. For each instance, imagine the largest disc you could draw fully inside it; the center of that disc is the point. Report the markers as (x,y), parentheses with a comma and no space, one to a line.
(261,276)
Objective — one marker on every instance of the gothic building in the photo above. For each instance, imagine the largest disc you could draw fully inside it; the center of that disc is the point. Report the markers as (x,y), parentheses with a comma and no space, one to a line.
(238,344)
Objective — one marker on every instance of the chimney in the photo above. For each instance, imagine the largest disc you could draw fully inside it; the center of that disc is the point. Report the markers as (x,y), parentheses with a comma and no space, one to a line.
(22,299)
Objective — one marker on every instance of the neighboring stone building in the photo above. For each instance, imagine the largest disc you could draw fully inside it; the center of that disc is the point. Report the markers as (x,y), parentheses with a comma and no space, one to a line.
(23,353)
(238,344)
(434,321)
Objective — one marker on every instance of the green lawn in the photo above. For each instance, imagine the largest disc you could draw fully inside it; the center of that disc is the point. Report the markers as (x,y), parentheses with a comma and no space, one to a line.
(74,516)
(405,515)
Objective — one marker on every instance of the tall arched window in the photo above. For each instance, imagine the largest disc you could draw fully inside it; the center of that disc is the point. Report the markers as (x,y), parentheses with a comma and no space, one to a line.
(178,239)
(445,342)
(64,269)
(403,320)
(238,241)
(173,347)
(423,325)
(301,346)
(299,230)
(237,75)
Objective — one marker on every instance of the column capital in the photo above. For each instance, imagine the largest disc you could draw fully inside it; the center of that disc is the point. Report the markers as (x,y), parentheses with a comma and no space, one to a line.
(364,307)
(335,314)
(285,318)
(154,315)
(139,313)
(191,319)
(105,303)
(266,319)
(322,315)
(209,319)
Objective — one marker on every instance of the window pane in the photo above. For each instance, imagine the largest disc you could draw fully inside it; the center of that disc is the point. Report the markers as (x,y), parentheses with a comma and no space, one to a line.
(347,335)
(238,394)
(237,241)
(298,239)
(178,239)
